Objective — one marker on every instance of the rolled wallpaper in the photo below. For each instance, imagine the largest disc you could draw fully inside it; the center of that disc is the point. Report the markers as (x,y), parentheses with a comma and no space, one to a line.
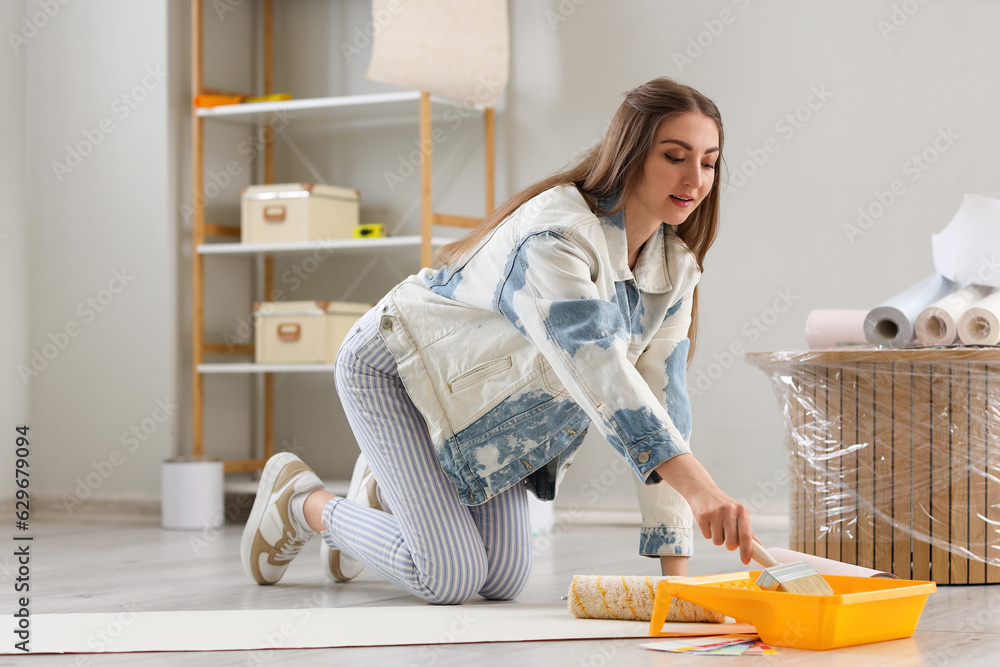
(892,323)
(830,328)
(937,324)
(980,324)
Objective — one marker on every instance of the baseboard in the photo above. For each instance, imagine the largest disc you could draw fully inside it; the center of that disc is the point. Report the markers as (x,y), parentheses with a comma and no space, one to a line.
(239,499)
(595,516)
(621,516)
(132,509)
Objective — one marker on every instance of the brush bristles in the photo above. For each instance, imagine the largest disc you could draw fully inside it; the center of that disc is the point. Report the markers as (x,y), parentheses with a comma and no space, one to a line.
(794,578)
(812,585)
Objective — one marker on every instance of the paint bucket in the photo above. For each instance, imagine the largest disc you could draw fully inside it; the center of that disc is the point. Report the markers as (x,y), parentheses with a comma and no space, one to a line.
(191,493)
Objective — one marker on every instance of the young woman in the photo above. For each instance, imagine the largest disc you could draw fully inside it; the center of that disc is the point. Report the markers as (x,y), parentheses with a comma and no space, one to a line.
(572,305)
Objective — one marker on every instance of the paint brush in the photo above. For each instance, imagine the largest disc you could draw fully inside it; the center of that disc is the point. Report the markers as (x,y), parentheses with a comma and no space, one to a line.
(791,578)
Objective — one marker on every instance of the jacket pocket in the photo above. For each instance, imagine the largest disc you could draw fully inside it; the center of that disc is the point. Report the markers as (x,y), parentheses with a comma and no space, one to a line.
(480,373)
(552,382)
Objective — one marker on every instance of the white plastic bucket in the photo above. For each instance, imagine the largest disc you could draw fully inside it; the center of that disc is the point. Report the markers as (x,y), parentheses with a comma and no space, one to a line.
(191,493)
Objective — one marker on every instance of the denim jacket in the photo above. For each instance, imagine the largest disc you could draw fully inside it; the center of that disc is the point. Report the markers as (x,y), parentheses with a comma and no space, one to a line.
(539,332)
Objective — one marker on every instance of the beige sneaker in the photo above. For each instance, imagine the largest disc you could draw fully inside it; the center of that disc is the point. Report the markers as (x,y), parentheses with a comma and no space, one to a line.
(272,537)
(336,565)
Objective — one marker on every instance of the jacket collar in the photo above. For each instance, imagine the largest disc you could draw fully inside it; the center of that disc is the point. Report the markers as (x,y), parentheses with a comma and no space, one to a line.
(651,272)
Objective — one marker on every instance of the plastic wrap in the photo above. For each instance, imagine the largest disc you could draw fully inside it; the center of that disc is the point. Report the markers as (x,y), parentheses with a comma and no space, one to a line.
(894,458)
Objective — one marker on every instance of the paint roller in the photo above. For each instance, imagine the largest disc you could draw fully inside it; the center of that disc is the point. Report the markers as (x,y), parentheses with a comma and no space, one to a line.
(630,598)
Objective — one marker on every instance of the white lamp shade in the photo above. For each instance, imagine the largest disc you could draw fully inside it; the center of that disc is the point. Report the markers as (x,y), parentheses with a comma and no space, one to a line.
(453,48)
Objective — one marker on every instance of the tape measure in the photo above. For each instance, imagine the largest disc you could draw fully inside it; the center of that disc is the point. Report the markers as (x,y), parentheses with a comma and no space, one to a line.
(369,231)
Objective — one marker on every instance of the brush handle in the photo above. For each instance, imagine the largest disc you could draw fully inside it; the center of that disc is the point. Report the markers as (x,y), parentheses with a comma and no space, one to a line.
(760,554)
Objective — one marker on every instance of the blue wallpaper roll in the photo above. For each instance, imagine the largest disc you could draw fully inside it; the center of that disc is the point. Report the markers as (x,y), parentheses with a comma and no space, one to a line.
(893,323)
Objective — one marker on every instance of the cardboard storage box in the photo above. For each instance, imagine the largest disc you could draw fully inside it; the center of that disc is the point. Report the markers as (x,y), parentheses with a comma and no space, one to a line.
(303,331)
(297,212)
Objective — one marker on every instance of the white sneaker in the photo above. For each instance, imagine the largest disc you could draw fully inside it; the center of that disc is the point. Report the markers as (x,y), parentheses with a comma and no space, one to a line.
(337,565)
(273,537)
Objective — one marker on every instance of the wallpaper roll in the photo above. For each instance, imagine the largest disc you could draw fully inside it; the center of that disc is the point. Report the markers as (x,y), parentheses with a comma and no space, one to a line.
(937,324)
(892,323)
(453,48)
(827,566)
(980,324)
(830,328)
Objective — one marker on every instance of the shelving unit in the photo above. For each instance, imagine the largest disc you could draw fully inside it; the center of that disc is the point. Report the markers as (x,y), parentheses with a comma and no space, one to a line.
(376,108)
(372,245)
(381,104)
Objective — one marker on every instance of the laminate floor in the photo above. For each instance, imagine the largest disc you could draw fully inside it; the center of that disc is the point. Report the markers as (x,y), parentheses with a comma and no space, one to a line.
(116,566)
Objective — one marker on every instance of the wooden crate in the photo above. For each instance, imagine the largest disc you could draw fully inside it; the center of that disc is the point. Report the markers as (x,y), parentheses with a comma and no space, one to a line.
(894,458)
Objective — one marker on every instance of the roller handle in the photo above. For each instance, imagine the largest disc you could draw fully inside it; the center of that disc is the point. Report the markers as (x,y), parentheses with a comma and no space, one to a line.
(760,554)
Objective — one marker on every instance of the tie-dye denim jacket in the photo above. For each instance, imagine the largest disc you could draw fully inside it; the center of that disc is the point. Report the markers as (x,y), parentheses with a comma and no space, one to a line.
(542,330)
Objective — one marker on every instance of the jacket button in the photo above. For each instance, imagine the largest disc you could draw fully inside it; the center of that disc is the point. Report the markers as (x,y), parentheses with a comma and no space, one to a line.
(386,323)
(643,457)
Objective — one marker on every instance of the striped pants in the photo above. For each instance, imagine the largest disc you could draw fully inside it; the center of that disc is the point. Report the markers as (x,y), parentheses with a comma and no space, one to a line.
(430,545)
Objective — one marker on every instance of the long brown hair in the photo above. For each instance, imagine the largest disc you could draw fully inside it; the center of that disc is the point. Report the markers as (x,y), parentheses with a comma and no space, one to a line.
(615,166)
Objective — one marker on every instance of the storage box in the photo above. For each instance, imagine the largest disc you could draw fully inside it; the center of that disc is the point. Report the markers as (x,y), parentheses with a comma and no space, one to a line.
(895,458)
(297,212)
(303,331)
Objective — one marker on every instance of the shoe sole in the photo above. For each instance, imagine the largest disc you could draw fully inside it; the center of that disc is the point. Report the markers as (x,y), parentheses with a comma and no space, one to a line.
(265,489)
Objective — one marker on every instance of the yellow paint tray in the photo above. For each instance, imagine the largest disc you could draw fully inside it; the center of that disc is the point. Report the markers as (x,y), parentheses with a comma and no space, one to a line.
(862,610)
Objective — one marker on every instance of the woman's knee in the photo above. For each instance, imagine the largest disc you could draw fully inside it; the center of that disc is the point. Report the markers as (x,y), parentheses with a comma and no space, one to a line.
(454,582)
(447,597)
(508,591)
(507,582)
(452,592)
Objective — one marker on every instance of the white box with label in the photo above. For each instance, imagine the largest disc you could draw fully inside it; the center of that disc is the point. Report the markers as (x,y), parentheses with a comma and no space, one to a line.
(302,331)
(291,212)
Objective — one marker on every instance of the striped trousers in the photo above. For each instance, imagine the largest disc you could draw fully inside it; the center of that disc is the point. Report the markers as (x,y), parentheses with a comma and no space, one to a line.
(430,544)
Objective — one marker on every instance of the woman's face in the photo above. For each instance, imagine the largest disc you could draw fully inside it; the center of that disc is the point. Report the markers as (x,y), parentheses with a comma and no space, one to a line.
(678,171)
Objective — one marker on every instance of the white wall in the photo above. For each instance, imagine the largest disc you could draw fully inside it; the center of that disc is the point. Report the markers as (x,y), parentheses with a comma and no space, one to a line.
(13,240)
(783,228)
(103,264)
(782,232)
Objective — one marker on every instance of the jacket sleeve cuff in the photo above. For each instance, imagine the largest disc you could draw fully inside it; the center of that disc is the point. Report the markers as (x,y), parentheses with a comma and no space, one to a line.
(647,472)
(666,541)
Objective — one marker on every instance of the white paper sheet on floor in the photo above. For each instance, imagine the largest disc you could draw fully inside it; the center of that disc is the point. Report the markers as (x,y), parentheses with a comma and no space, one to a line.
(250,630)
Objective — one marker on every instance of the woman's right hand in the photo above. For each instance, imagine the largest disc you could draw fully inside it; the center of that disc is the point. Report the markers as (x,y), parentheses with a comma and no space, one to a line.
(721,519)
